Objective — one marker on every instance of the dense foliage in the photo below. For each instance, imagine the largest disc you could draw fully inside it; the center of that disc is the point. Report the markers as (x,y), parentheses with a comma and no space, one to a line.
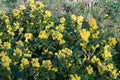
(35,45)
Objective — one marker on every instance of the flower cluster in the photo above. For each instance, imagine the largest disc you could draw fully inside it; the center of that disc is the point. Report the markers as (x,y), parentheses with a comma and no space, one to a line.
(36,45)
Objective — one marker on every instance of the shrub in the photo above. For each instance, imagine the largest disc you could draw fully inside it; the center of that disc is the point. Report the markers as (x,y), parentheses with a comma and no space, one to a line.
(36,46)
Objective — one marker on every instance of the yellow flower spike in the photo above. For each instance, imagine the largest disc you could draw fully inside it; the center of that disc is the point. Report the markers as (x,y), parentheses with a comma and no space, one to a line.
(84,34)
(7,45)
(47,14)
(35,63)
(31,15)
(6,62)
(51,24)
(114,74)
(60,28)
(89,69)
(16,13)
(43,35)
(28,55)
(73,17)
(99,63)
(93,24)
(31,2)
(101,68)
(62,20)
(54,69)
(20,43)
(17,52)
(28,36)
(56,35)
(39,5)
(75,77)
(47,27)
(110,67)
(112,41)
(65,52)
(22,7)
(24,63)
(47,64)
(94,59)
(80,21)
(21,30)
(7,21)
(62,41)
(17,25)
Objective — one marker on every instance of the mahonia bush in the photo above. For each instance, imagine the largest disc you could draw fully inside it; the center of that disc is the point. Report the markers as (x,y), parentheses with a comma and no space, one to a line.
(36,46)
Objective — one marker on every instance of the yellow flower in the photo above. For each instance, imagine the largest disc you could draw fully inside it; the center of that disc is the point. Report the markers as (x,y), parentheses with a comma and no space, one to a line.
(21,30)
(16,13)
(17,52)
(106,15)
(7,21)
(39,5)
(62,20)
(47,64)
(28,36)
(94,59)
(16,24)
(54,69)
(50,53)
(31,15)
(84,34)
(93,48)
(2,54)
(89,69)
(106,53)
(110,67)
(60,28)
(28,55)
(6,62)
(47,14)
(51,24)
(24,63)
(7,45)
(101,68)
(114,74)
(64,53)
(69,65)
(93,24)
(83,45)
(56,35)
(112,41)
(19,43)
(35,63)
(79,21)
(95,35)
(61,41)
(74,77)
(43,35)
(73,17)
(22,7)
(31,2)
